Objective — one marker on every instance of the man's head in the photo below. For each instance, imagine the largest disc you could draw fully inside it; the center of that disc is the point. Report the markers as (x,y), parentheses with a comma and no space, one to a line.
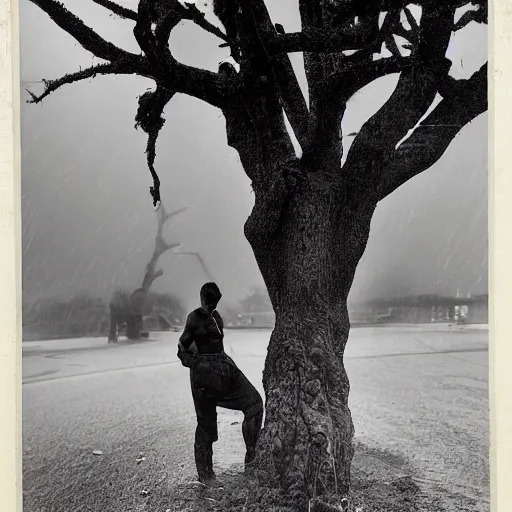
(210,296)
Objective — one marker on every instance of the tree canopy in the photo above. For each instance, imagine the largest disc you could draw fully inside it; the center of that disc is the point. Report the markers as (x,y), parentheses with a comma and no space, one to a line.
(340,40)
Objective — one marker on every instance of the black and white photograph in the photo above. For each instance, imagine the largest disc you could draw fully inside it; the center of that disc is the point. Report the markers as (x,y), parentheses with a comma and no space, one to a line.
(255,256)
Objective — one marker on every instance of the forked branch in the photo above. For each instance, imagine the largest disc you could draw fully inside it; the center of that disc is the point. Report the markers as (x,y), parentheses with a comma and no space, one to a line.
(430,139)
(161,246)
(415,91)
(173,75)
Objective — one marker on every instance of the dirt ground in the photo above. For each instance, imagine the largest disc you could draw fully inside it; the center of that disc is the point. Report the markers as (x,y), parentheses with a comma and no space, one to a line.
(419,401)
(380,483)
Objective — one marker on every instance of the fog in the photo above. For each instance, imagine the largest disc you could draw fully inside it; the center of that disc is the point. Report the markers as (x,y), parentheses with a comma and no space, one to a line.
(88,220)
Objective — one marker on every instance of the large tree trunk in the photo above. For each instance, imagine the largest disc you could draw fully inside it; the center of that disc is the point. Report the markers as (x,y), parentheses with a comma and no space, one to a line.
(308,266)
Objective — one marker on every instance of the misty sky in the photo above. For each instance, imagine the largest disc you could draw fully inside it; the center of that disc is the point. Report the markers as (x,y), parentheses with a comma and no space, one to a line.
(88,221)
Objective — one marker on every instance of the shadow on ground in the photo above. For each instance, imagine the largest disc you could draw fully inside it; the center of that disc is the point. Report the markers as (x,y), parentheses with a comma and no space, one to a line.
(380,483)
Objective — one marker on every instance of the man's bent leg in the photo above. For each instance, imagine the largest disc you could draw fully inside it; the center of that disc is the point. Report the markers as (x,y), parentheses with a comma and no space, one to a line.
(251,428)
(245,397)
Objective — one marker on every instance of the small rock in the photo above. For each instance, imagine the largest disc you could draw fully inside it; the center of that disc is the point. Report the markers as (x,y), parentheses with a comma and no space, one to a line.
(97,452)
(144,493)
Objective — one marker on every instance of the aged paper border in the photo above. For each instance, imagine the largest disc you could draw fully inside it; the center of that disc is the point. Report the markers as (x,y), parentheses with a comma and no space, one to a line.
(10,260)
(500,245)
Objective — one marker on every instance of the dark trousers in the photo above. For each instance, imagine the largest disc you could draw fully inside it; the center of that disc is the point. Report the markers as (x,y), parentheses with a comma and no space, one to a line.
(217,382)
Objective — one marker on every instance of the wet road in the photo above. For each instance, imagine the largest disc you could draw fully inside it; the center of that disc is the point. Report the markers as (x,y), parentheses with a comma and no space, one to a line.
(419,394)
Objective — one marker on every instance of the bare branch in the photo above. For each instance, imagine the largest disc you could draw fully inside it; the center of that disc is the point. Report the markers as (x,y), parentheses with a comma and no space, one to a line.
(430,139)
(293,100)
(290,93)
(189,11)
(150,277)
(478,15)
(330,79)
(157,274)
(226,12)
(168,216)
(164,216)
(161,246)
(123,67)
(411,20)
(325,142)
(117,9)
(392,46)
(170,73)
(84,35)
(149,118)
(201,262)
(192,13)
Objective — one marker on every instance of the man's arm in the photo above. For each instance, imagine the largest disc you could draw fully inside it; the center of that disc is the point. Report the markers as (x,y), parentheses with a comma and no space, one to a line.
(186,338)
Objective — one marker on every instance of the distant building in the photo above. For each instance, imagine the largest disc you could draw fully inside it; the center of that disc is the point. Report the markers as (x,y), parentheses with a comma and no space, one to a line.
(417,309)
(423,309)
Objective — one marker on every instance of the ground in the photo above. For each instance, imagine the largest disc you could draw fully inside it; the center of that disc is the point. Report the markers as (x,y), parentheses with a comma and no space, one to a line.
(419,400)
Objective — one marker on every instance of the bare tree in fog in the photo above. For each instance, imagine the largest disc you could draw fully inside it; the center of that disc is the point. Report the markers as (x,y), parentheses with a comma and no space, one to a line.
(311,218)
(129,309)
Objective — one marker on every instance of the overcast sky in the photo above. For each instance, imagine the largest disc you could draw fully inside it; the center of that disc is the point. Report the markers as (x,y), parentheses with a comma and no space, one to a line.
(88,221)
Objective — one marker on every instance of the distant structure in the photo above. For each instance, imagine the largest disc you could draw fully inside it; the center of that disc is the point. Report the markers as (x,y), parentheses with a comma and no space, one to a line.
(419,309)
(423,309)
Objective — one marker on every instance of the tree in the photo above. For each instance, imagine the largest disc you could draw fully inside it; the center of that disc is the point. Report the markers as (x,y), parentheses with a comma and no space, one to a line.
(311,218)
(125,308)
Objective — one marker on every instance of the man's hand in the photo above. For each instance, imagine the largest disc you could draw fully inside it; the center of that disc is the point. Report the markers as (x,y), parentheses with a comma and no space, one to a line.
(186,356)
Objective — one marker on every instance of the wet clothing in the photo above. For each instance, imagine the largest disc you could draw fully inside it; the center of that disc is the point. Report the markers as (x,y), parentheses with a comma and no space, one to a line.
(216,381)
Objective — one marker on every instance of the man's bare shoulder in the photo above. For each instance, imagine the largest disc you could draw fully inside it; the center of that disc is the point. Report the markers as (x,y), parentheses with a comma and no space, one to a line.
(195,316)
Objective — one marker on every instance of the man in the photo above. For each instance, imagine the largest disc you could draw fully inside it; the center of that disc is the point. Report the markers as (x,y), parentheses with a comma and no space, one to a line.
(216,381)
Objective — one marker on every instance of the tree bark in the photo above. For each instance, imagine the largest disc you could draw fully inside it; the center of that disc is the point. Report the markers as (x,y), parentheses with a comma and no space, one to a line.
(308,266)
